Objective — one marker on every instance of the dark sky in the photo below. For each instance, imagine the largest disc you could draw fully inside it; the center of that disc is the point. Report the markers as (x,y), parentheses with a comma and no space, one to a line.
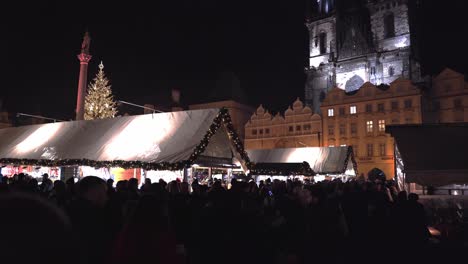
(149,48)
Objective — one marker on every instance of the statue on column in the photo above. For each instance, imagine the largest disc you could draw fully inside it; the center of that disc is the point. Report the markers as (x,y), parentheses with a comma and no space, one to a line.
(85,44)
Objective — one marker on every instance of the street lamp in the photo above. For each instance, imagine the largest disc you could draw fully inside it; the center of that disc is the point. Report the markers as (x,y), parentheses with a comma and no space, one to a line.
(141,106)
(39,117)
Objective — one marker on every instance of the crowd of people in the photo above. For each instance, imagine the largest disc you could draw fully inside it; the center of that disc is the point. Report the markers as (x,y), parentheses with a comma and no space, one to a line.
(90,221)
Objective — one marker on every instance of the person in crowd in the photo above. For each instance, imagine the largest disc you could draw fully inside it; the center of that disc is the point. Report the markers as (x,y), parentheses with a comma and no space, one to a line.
(35,231)
(90,219)
(46,184)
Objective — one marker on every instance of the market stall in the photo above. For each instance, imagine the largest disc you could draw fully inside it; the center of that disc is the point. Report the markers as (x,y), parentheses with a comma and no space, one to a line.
(323,161)
(430,154)
(174,141)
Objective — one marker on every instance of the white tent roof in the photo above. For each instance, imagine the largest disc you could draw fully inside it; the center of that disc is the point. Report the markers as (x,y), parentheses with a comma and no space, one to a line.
(322,160)
(164,138)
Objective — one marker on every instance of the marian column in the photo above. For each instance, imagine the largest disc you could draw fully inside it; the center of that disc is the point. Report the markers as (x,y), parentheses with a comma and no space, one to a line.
(84,58)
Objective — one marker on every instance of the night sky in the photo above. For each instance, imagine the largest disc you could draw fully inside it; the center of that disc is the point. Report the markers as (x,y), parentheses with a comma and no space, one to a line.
(149,48)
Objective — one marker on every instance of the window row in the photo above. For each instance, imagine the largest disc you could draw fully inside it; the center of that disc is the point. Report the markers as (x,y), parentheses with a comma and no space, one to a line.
(408,103)
(369,149)
(266,131)
(353,128)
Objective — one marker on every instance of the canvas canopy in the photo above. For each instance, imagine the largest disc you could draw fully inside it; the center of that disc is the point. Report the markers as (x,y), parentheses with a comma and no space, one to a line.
(282,169)
(322,160)
(154,141)
(431,155)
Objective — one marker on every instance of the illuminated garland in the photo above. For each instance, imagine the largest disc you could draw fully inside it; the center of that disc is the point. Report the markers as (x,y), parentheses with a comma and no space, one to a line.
(223,117)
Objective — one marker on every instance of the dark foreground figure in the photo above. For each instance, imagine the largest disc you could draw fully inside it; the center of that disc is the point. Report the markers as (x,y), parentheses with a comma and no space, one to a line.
(275,222)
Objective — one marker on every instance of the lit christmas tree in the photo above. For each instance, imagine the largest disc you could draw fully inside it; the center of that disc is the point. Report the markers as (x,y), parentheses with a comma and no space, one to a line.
(99,102)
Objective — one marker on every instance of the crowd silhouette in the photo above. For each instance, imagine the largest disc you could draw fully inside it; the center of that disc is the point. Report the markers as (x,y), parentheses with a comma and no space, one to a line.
(90,221)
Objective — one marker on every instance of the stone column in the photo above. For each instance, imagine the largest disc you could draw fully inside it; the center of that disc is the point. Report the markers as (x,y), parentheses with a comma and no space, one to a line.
(84,59)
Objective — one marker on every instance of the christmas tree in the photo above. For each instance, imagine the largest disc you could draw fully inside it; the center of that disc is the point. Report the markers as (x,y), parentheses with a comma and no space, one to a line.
(99,102)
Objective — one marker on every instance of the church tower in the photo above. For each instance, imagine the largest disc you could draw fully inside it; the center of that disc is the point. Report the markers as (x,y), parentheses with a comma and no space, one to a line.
(356,41)
(321,24)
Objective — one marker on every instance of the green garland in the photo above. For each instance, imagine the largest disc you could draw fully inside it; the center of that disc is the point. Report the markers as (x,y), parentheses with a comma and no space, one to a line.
(223,117)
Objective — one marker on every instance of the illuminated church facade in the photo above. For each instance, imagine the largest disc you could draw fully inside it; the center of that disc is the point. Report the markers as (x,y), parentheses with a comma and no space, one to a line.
(352,42)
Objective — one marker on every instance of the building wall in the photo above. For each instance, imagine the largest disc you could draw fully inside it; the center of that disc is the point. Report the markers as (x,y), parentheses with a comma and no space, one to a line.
(372,146)
(298,127)
(240,113)
(449,98)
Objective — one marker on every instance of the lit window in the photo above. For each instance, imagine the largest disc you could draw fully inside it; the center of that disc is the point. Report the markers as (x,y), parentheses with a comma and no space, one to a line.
(381,125)
(331,130)
(343,145)
(331,146)
(369,126)
(352,110)
(370,150)
(382,149)
(331,112)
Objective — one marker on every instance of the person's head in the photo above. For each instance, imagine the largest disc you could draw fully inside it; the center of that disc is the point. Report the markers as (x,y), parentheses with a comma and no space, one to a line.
(33,185)
(110,183)
(94,190)
(45,176)
(59,186)
(133,184)
(402,196)
(412,197)
(148,181)
(50,226)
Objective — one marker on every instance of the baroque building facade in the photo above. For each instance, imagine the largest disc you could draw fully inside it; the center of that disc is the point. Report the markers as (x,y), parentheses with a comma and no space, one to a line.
(297,127)
(359,119)
(355,41)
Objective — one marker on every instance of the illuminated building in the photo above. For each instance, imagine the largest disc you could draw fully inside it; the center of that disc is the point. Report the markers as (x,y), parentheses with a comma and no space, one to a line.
(358,119)
(351,43)
(298,127)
